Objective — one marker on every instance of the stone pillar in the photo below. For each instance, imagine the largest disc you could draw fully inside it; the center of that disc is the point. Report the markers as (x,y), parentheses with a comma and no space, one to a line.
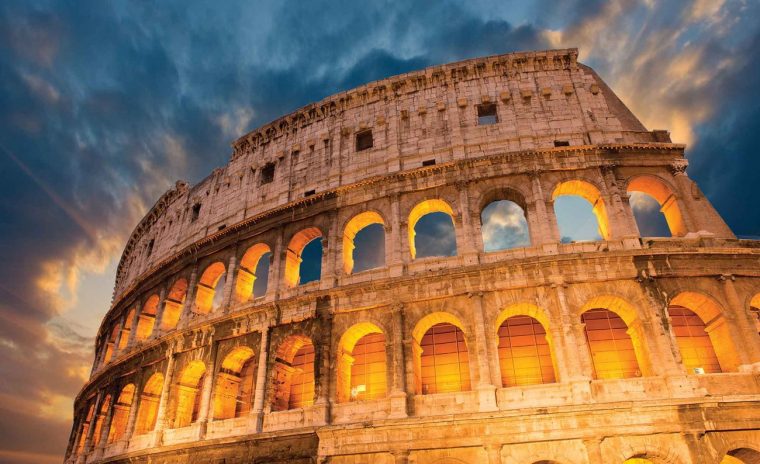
(330,247)
(187,308)
(117,340)
(395,355)
(594,450)
(620,216)
(162,421)
(749,354)
(159,312)
(465,234)
(543,222)
(494,453)
(93,421)
(276,277)
(130,428)
(204,414)
(395,251)
(229,283)
(257,411)
(106,427)
(485,387)
(323,364)
(133,327)
(579,365)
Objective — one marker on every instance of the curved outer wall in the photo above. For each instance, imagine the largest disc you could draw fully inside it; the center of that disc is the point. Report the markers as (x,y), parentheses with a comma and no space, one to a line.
(164,352)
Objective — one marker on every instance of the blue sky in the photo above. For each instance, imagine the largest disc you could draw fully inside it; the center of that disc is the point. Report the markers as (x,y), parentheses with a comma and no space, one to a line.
(104,105)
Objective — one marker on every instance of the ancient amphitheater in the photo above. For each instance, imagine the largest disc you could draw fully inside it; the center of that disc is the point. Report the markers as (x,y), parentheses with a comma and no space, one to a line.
(628,349)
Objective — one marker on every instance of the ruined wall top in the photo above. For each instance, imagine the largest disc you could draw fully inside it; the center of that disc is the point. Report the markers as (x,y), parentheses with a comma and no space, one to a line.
(541,100)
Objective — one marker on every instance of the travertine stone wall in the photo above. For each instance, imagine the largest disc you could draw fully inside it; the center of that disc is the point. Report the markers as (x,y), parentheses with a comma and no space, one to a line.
(665,414)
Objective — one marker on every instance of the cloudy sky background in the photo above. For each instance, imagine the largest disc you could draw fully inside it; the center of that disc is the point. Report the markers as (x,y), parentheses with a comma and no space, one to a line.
(103,105)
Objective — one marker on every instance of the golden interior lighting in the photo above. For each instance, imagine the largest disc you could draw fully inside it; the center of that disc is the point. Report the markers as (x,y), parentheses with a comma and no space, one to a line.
(612,350)
(207,287)
(99,420)
(524,352)
(422,209)
(147,318)
(147,411)
(125,331)
(591,194)
(444,361)
(356,224)
(741,456)
(173,305)
(754,306)
(658,190)
(714,323)
(234,388)
(84,429)
(188,394)
(246,277)
(293,376)
(120,414)
(637,461)
(110,344)
(293,254)
(361,370)
(697,352)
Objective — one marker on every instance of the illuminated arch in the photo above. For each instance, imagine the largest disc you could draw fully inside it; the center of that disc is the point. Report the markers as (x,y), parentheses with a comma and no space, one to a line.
(422,209)
(716,326)
(294,374)
(147,410)
(235,384)
(246,276)
(514,199)
(614,337)
(526,351)
(111,344)
(84,428)
(173,305)
(293,254)
(659,190)
(105,405)
(207,287)
(441,358)
(147,318)
(590,193)
(188,394)
(357,223)
(120,414)
(126,329)
(743,455)
(361,373)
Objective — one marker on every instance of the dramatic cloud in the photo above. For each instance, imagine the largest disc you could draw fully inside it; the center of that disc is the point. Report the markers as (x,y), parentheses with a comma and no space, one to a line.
(504,226)
(103,105)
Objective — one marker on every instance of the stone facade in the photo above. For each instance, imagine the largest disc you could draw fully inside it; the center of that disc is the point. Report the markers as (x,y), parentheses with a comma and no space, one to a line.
(192,365)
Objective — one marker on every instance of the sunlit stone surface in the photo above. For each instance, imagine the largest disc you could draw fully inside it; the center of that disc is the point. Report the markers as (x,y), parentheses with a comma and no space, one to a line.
(254,321)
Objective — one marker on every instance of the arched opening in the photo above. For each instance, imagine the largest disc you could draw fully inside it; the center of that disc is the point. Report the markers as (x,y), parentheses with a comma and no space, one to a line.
(303,259)
(364,243)
(110,344)
(84,428)
(250,272)
(504,226)
(188,394)
(697,352)
(294,374)
(210,291)
(612,350)
(99,419)
(120,415)
(741,456)
(653,204)
(235,384)
(361,373)
(126,329)
(173,304)
(431,230)
(147,410)
(718,330)
(525,354)
(440,354)
(580,211)
(147,318)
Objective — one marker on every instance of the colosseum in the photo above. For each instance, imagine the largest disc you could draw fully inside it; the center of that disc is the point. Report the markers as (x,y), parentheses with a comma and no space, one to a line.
(218,348)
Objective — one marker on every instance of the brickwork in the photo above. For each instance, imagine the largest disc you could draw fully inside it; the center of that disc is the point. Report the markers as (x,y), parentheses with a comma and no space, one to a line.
(192,366)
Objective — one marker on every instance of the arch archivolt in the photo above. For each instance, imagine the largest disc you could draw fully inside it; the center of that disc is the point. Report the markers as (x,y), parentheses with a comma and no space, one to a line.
(352,227)
(664,193)
(246,270)
(514,190)
(423,208)
(296,245)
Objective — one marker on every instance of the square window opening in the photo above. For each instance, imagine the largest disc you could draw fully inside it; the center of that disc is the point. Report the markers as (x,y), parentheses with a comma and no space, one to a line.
(487,114)
(428,163)
(364,140)
(309,193)
(267,174)
(196,212)
(561,143)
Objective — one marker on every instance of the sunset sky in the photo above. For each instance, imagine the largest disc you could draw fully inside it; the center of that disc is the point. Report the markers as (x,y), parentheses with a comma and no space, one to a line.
(105,104)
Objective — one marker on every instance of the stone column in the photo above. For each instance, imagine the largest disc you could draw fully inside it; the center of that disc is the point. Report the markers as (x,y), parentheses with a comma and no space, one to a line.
(580,365)
(594,450)
(187,308)
(161,420)
(323,365)
(106,427)
(159,312)
(465,235)
(276,277)
(257,411)
(494,453)
(133,327)
(395,253)
(93,421)
(395,355)
(130,428)
(204,414)
(619,215)
(229,283)
(750,346)
(543,222)
(485,387)
(330,267)
(119,334)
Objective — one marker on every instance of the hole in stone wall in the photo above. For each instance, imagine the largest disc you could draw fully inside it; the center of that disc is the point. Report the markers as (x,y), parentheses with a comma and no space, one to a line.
(487,114)
(364,140)
(267,173)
